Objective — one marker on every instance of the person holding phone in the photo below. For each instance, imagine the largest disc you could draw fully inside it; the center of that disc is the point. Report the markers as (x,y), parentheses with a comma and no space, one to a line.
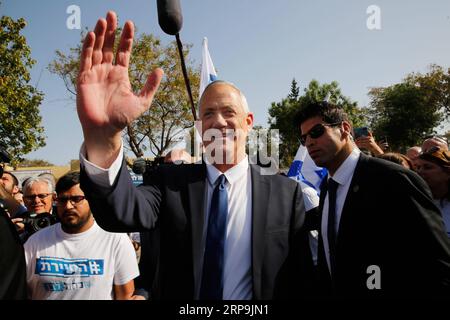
(366,141)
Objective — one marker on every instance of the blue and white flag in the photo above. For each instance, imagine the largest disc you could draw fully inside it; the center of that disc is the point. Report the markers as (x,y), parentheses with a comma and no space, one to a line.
(310,176)
(209,73)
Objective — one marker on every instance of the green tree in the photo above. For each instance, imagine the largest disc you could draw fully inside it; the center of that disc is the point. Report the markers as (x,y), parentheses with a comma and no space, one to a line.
(282,114)
(163,125)
(20,121)
(295,91)
(435,88)
(408,111)
(404,113)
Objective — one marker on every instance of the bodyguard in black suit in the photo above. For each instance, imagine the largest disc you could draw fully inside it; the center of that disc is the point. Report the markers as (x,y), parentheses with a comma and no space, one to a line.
(380,233)
(226,229)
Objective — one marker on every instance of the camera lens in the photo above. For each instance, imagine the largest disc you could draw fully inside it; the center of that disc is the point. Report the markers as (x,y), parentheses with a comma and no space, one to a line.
(43,222)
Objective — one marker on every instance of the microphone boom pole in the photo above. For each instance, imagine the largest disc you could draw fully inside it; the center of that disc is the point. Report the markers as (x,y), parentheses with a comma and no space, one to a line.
(185,75)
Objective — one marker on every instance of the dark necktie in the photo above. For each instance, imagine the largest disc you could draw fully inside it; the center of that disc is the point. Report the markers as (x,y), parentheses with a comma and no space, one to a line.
(331,231)
(213,261)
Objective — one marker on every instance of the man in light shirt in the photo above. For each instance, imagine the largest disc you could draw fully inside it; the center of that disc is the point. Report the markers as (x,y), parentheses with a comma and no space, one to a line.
(226,230)
(380,233)
(75,259)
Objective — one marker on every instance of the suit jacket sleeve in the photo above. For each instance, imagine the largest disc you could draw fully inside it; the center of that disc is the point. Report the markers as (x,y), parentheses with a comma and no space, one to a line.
(434,244)
(12,262)
(123,207)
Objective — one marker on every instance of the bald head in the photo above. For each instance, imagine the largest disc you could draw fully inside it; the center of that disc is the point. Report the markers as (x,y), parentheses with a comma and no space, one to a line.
(413,152)
(177,156)
(434,142)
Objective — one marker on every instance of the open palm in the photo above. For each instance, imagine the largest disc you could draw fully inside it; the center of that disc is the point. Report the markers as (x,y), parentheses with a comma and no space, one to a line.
(105,101)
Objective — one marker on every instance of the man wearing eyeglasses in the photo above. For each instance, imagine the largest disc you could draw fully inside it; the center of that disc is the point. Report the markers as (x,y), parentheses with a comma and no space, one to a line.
(76,259)
(380,233)
(38,197)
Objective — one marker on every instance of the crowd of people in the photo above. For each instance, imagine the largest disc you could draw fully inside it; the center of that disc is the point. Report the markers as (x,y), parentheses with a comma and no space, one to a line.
(222,229)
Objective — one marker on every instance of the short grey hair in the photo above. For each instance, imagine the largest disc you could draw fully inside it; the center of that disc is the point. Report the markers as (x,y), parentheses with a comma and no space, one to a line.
(241,95)
(30,181)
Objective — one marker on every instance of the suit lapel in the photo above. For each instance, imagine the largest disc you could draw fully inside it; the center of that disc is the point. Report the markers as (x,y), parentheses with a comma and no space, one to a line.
(196,196)
(347,210)
(260,204)
(352,197)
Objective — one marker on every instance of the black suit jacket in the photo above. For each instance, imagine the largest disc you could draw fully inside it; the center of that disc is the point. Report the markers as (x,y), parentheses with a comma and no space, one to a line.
(175,200)
(12,262)
(388,220)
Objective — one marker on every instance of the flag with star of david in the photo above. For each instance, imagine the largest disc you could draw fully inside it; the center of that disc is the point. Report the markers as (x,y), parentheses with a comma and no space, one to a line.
(208,73)
(304,171)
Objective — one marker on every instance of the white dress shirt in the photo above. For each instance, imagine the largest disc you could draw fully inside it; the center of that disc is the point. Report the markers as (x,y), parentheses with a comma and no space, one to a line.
(343,176)
(238,281)
(237,277)
(444,205)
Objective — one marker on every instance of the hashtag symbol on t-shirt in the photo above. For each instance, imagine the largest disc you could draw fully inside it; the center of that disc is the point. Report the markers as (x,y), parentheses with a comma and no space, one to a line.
(94,267)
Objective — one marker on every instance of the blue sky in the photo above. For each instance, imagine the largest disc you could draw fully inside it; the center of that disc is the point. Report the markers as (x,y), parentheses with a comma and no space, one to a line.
(260,45)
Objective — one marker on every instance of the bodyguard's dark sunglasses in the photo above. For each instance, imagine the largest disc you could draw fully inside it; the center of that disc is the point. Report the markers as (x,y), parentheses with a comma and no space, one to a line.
(317,131)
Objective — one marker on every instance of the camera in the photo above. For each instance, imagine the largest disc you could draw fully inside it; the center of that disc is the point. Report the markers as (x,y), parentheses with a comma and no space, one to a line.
(146,167)
(34,222)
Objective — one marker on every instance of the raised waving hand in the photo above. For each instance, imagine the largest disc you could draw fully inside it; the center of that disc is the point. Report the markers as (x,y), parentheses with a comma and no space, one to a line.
(106,103)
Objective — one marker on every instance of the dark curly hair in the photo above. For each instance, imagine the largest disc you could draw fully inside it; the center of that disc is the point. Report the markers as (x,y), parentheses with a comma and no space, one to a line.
(330,113)
(68,181)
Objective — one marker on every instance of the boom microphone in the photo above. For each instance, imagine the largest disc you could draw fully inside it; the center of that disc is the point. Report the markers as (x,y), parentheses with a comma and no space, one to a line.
(171,20)
(169,16)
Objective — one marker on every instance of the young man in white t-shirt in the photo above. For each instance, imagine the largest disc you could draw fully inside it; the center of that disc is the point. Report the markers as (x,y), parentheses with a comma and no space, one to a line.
(76,259)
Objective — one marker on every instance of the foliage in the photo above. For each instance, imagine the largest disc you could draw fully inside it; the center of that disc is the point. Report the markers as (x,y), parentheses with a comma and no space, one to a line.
(409,111)
(163,125)
(20,121)
(282,114)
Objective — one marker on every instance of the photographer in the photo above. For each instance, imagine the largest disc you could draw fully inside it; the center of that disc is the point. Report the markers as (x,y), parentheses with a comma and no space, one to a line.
(38,196)
(76,259)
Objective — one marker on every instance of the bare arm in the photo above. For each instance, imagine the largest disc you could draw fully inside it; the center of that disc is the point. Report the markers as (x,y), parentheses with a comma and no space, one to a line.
(125,292)
(369,144)
(106,103)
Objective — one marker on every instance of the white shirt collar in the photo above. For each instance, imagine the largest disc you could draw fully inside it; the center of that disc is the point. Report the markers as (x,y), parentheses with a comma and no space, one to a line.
(233,174)
(345,172)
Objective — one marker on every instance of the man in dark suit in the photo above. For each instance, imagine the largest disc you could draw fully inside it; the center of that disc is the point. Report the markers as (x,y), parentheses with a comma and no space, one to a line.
(225,228)
(380,233)
(12,257)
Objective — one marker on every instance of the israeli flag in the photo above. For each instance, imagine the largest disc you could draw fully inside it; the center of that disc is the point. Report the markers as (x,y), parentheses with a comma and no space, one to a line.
(310,176)
(209,73)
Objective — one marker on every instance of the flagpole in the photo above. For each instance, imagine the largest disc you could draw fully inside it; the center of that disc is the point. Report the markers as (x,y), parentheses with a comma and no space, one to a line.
(185,75)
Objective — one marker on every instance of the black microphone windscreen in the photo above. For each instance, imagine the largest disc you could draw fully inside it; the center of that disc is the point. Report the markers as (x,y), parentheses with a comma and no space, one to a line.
(139,166)
(170,17)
